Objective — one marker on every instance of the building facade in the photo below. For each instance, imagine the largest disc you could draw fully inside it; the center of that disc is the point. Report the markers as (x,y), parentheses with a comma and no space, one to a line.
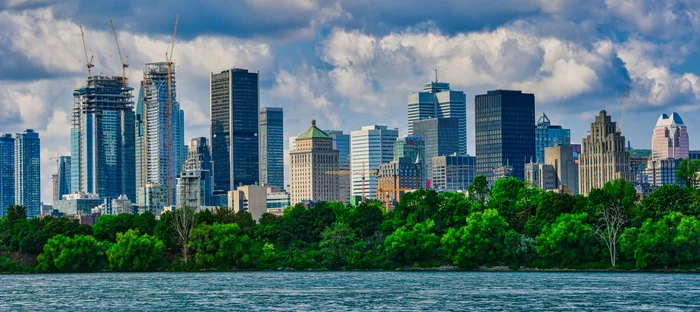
(438,101)
(63,178)
(370,147)
(313,163)
(441,137)
(505,132)
(542,176)
(153,198)
(453,173)
(547,135)
(603,156)
(160,132)
(250,198)
(412,147)
(195,184)
(77,204)
(272,146)
(7,173)
(28,172)
(396,178)
(102,139)
(235,113)
(669,144)
(561,158)
(341,143)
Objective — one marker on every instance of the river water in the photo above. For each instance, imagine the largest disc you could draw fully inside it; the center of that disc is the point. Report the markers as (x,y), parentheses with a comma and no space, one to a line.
(357,291)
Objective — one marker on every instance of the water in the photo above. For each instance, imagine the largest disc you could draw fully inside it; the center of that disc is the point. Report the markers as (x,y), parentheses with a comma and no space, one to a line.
(357,291)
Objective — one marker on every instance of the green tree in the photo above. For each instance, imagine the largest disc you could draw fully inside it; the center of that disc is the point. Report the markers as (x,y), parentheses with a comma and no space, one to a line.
(165,232)
(568,242)
(245,221)
(134,253)
(664,200)
(221,246)
(687,172)
(669,242)
(145,223)
(549,207)
(338,240)
(107,226)
(519,248)
(367,218)
(504,196)
(453,209)
(413,246)
(15,219)
(479,190)
(78,254)
(479,242)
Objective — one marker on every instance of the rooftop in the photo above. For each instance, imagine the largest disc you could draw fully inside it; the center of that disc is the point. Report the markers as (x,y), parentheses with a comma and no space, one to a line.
(313,132)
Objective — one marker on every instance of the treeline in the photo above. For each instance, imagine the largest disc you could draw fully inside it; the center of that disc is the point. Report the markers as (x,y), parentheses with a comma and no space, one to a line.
(511,224)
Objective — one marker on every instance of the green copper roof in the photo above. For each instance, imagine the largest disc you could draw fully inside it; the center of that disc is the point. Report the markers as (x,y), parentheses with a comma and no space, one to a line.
(313,133)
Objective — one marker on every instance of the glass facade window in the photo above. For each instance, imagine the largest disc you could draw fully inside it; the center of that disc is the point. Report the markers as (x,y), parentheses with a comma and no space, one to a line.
(28,172)
(272,146)
(548,135)
(7,173)
(441,137)
(438,101)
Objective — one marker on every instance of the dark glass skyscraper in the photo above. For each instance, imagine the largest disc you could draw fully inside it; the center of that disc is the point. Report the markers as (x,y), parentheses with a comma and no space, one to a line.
(437,100)
(235,102)
(28,172)
(441,137)
(272,146)
(505,131)
(63,175)
(7,172)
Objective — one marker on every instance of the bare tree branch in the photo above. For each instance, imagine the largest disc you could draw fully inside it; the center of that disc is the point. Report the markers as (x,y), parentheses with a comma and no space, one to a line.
(611,223)
(183,222)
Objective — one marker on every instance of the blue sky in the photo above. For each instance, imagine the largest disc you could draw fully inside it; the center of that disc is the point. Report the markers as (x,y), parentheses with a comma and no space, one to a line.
(352,63)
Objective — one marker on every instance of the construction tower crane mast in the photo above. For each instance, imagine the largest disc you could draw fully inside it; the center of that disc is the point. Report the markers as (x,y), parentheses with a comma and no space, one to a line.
(624,107)
(124,60)
(362,173)
(87,60)
(168,114)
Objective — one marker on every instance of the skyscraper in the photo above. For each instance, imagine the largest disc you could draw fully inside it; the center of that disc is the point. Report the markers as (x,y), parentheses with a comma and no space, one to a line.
(272,146)
(63,177)
(603,156)
(505,132)
(669,144)
(547,135)
(194,185)
(341,143)
(160,132)
(438,101)
(562,159)
(369,147)
(235,102)
(412,147)
(7,172)
(28,172)
(310,163)
(102,139)
(441,139)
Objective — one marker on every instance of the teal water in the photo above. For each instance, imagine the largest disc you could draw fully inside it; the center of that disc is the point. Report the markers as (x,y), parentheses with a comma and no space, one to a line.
(356,291)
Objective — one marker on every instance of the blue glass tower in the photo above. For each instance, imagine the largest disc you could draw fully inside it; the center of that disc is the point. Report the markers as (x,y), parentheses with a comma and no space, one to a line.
(441,137)
(7,172)
(28,172)
(547,135)
(437,100)
(272,146)
(64,176)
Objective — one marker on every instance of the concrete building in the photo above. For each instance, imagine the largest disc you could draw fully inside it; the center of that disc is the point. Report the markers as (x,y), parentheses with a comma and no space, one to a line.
(194,186)
(505,132)
(160,132)
(395,178)
(235,113)
(103,139)
(341,142)
(28,172)
(441,137)
(547,135)
(669,144)
(453,173)
(250,198)
(638,165)
(542,176)
(561,158)
(311,162)
(412,147)
(438,101)
(277,201)
(272,146)
(7,173)
(369,148)
(153,198)
(77,204)
(603,156)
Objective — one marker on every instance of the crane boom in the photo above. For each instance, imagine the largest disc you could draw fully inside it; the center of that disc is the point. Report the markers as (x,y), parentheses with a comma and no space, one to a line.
(89,61)
(168,114)
(624,107)
(119,49)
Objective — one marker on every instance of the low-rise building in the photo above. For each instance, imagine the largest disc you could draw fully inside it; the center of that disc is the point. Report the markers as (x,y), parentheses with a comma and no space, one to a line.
(395,178)
(77,204)
(251,198)
(453,173)
(152,197)
(541,175)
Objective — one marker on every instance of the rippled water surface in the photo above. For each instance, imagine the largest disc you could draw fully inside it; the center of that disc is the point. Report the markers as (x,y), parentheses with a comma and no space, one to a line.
(361,291)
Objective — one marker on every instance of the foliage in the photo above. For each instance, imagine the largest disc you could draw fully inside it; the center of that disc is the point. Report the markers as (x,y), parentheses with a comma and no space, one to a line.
(78,254)
(220,246)
(479,242)
(568,242)
(413,245)
(687,172)
(671,241)
(134,253)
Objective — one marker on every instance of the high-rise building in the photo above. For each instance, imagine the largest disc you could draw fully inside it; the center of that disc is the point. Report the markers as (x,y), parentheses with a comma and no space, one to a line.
(505,132)
(669,144)
(438,101)
(153,198)
(369,147)
(235,102)
(561,158)
(160,132)
(638,165)
(102,139)
(7,173)
(311,165)
(547,135)
(412,147)
(441,138)
(397,177)
(341,143)
(603,156)
(63,177)
(28,172)
(195,185)
(453,173)
(272,146)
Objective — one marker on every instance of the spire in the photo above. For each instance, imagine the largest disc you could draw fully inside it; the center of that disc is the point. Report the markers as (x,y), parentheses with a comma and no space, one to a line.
(313,122)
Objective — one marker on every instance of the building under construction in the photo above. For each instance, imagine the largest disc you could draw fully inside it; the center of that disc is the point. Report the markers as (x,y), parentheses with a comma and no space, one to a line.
(102,138)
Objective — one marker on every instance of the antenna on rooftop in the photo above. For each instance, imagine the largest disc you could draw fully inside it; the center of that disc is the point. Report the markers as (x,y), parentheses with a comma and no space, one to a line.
(436,75)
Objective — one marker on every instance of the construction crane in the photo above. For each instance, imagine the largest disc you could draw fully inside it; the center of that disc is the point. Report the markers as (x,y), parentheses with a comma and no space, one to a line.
(124,60)
(89,61)
(168,111)
(392,195)
(57,158)
(363,173)
(624,106)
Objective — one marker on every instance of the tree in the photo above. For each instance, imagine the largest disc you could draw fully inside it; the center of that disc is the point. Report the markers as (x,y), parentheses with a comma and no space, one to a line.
(221,246)
(78,254)
(687,172)
(337,240)
(479,242)
(367,218)
(414,245)
(479,190)
(134,253)
(145,223)
(183,220)
(671,241)
(107,226)
(664,200)
(15,218)
(568,242)
(165,231)
(618,202)
(504,198)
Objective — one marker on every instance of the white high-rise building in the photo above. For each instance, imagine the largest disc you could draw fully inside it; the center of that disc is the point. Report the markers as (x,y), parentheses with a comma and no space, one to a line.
(369,148)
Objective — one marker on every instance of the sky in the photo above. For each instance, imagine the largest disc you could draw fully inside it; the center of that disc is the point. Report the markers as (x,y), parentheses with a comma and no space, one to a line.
(349,63)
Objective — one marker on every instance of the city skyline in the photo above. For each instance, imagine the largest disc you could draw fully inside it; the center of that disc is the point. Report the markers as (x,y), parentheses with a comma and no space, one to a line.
(330,67)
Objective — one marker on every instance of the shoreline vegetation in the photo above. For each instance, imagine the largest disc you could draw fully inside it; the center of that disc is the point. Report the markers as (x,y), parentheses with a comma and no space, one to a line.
(509,227)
